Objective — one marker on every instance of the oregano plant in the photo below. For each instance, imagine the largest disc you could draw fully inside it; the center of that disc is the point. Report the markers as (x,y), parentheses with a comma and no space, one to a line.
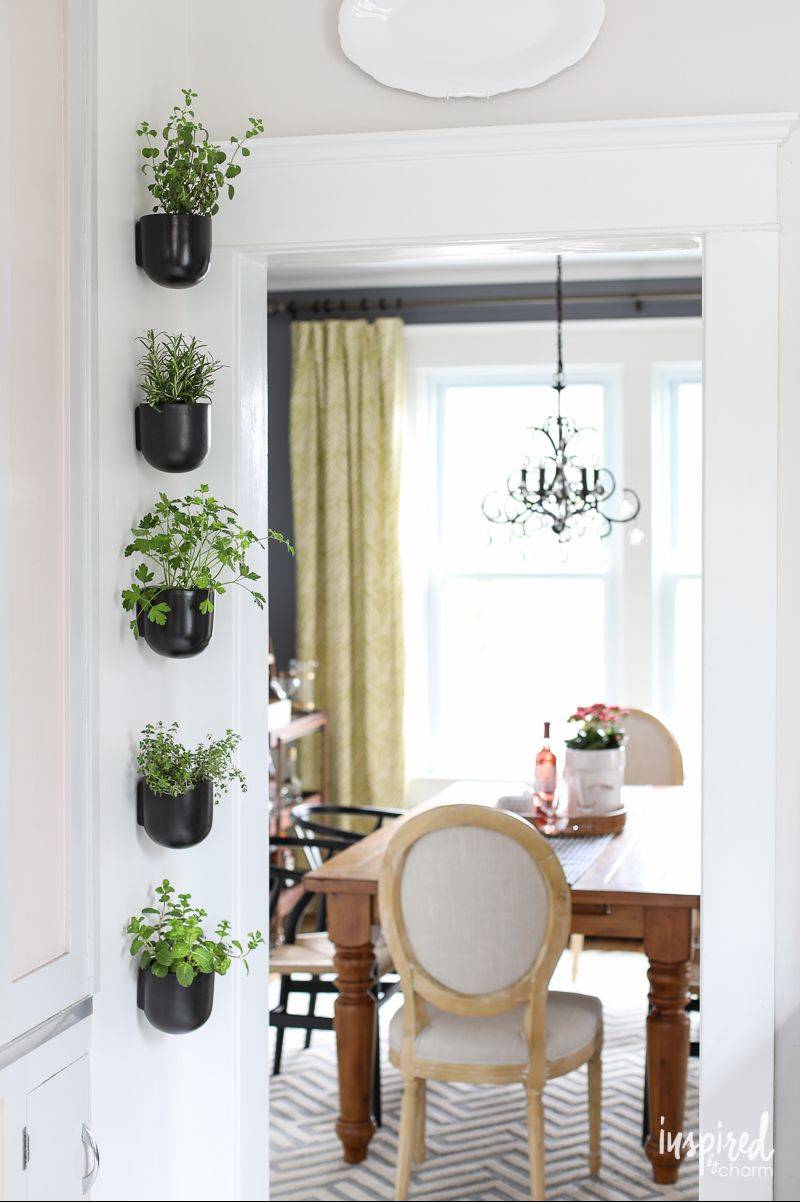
(169,938)
(190,542)
(172,769)
(175,370)
(189,170)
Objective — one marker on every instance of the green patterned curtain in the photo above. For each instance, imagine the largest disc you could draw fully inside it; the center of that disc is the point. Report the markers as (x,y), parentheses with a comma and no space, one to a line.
(346,410)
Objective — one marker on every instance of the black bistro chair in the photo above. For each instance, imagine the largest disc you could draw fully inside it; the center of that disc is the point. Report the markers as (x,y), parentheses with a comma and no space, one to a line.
(304,958)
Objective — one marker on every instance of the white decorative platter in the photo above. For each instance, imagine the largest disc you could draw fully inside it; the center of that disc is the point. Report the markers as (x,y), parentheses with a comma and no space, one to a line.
(449,48)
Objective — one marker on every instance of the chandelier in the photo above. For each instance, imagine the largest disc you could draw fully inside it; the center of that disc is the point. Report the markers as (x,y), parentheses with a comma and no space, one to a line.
(560,491)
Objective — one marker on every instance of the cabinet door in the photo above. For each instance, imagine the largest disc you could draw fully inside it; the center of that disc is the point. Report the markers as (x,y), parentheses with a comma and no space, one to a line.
(56,1113)
(46,681)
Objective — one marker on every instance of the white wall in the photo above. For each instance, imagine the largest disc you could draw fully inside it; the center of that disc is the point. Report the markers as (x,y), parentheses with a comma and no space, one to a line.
(281,59)
(168,1110)
(660,58)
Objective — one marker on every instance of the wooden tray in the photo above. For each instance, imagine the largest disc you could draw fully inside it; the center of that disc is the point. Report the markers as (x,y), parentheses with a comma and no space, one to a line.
(587,824)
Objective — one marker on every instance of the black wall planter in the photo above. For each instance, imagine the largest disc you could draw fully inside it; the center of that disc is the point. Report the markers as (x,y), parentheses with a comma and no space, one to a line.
(179,821)
(174,249)
(176,437)
(172,1007)
(187,631)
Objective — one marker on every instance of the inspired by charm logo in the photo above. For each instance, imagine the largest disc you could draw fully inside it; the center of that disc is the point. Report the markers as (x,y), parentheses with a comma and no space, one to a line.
(723,1153)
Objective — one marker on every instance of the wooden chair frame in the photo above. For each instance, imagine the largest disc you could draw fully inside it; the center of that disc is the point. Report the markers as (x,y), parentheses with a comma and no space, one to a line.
(531,990)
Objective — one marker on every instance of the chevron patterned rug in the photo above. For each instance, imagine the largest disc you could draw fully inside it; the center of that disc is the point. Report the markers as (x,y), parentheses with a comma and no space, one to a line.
(476,1136)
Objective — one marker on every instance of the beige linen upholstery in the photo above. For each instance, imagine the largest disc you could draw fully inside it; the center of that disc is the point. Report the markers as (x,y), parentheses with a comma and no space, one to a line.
(478,883)
(652,754)
(574,1021)
(476,912)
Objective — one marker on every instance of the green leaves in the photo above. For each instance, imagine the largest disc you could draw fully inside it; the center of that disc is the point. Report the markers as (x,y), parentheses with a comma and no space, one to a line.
(176,942)
(175,369)
(187,177)
(185,973)
(192,542)
(170,768)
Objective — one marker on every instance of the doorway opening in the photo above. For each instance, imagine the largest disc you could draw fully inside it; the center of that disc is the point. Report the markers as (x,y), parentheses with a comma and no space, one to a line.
(502,635)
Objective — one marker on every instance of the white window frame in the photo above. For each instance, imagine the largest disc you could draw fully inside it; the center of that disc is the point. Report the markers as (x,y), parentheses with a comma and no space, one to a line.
(521,353)
(666,575)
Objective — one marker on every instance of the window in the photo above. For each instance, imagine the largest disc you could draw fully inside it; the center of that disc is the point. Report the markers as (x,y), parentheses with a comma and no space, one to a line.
(501,658)
(504,633)
(678,558)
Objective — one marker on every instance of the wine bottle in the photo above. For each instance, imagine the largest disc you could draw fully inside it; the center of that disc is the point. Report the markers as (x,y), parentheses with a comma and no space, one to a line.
(544,776)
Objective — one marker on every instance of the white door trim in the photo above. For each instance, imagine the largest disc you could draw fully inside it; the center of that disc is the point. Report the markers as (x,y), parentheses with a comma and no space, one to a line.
(590,186)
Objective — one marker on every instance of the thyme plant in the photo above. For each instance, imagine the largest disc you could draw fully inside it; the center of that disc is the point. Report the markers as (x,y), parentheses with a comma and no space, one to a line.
(172,769)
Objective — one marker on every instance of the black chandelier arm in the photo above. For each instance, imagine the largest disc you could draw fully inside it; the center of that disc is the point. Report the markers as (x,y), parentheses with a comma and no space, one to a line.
(607,493)
(534,430)
(578,431)
(630,494)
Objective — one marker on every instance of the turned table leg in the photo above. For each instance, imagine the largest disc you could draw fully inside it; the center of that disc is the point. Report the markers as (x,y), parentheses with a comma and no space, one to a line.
(349,926)
(667,941)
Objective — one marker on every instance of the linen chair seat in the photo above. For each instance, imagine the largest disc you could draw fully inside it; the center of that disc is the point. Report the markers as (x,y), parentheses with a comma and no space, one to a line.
(574,1026)
(313,952)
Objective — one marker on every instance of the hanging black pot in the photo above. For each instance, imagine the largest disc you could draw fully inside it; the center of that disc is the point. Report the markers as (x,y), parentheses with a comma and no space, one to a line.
(172,1007)
(181,821)
(176,437)
(174,249)
(187,630)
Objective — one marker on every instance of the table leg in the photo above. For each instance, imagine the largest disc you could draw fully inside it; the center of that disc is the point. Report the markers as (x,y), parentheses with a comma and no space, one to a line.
(349,925)
(667,941)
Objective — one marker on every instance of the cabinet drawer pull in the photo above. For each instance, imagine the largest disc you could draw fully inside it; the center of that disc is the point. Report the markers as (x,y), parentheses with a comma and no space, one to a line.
(89,1142)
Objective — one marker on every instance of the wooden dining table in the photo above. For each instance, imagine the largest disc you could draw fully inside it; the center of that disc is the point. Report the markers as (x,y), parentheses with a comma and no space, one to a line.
(643,886)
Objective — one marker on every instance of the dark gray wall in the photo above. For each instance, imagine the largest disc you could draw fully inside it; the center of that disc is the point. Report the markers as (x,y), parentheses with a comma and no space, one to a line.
(281,566)
(584,300)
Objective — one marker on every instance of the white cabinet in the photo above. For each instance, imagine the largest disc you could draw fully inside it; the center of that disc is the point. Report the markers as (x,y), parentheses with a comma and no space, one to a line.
(46,666)
(45,1119)
(57,1141)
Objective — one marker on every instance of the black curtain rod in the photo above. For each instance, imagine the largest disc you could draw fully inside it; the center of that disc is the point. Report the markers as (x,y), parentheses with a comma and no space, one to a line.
(340,307)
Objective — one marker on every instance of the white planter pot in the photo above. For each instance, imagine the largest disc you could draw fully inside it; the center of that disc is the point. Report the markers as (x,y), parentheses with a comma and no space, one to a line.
(594,780)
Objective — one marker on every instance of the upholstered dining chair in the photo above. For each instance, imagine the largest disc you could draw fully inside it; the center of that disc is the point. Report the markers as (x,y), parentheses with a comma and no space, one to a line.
(476,912)
(652,754)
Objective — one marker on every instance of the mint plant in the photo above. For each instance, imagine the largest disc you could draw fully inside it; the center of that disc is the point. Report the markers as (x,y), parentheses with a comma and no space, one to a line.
(190,171)
(172,769)
(169,938)
(192,542)
(175,370)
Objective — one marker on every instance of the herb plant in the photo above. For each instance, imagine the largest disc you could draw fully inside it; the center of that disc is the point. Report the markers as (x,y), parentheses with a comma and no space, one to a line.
(189,173)
(601,728)
(175,370)
(169,767)
(192,542)
(169,937)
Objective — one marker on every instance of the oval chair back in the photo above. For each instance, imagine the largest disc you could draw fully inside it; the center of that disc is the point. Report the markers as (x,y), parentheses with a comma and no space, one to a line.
(476,912)
(652,754)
